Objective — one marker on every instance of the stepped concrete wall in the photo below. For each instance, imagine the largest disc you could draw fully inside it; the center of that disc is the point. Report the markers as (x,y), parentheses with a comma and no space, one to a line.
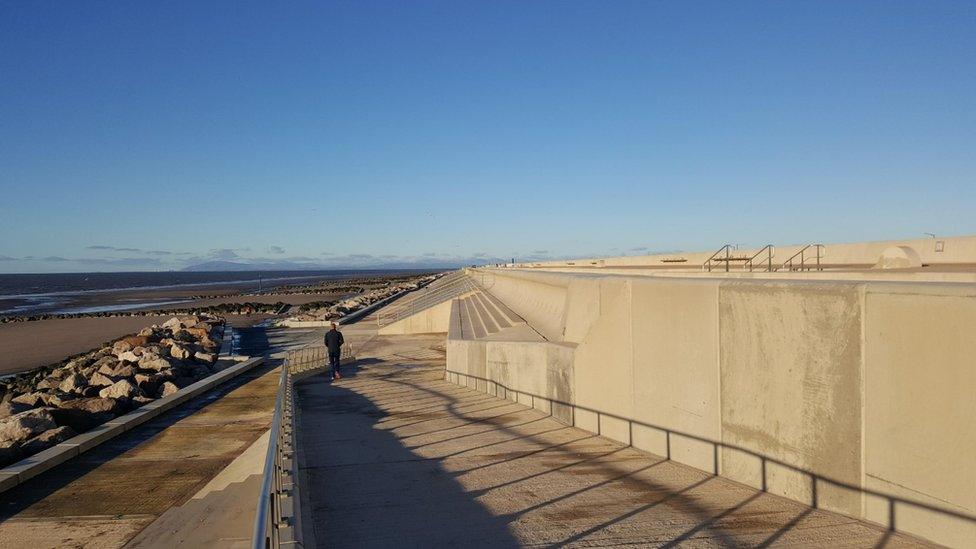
(858,397)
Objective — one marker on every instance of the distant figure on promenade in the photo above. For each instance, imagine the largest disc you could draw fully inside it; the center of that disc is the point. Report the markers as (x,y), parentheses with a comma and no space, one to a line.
(334,341)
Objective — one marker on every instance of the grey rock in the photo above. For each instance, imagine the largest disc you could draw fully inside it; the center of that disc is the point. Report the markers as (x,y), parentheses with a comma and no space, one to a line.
(122,389)
(99,379)
(30,399)
(182,353)
(156,364)
(47,439)
(167,388)
(22,426)
(74,383)
(9,408)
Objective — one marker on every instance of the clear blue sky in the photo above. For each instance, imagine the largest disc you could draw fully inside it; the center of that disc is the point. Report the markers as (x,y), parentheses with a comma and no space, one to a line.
(329,131)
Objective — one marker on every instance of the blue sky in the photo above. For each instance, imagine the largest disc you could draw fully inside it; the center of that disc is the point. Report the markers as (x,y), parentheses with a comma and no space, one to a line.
(152,135)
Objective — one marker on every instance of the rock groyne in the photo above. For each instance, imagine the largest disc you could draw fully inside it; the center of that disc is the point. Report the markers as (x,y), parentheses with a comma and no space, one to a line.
(41,408)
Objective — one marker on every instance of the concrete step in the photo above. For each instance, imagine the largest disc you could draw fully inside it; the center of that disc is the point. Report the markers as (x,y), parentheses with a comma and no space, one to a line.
(454,330)
(486,319)
(509,314)
(496,314)
(470,321)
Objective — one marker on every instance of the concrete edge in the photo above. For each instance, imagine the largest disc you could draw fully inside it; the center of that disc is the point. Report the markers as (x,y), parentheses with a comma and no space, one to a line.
(355,315)
(29,467)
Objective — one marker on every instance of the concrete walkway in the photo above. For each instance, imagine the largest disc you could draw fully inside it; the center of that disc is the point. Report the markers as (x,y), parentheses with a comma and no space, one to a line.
(393,455)
(189,478)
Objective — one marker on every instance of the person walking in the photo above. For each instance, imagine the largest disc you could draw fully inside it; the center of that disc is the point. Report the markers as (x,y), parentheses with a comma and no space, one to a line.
(334,341)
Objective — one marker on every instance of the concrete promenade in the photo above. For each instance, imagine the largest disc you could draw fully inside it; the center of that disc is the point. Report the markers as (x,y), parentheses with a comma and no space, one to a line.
(187,478)
(393,455)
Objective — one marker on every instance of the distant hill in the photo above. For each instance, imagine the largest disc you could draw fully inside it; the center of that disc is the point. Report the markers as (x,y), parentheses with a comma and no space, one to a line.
(232,266)
(225,266)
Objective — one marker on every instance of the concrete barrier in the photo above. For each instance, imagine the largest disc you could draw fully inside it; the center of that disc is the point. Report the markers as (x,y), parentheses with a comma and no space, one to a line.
(858,397)
(40,462)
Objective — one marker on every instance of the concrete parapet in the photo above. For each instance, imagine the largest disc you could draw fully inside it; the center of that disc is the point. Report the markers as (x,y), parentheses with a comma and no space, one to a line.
(857,397)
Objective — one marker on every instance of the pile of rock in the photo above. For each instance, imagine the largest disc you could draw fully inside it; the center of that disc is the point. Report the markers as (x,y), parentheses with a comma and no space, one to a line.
(363,300)
(50,405)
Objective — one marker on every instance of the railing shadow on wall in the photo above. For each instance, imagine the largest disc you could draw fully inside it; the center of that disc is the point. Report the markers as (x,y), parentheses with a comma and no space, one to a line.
(816,480)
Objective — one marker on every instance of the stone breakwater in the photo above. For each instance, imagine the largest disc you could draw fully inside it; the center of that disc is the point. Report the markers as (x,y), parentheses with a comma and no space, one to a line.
(47,406)
(353,304)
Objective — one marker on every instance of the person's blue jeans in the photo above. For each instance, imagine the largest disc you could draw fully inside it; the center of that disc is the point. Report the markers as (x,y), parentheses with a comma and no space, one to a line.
(334,361)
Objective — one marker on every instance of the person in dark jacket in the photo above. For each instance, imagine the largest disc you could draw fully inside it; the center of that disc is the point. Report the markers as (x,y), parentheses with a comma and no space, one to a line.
(334,341)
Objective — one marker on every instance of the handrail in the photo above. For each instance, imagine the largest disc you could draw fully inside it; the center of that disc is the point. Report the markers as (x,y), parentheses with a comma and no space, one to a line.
(450,286)
(768,248)
(278,518)
(789,264)
(728,252)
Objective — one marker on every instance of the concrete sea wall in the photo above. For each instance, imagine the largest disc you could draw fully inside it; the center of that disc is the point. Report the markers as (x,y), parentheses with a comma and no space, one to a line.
(857,397)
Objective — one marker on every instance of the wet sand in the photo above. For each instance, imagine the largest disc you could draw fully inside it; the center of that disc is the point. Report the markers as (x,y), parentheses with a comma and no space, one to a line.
(29,345)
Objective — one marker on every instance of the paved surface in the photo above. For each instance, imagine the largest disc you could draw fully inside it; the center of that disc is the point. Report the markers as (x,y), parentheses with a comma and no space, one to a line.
(190,477)
(393,455)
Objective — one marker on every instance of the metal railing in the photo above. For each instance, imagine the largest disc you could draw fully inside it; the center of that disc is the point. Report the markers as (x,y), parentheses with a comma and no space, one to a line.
(769,251)
(723,255)
(277,522)
(798,261)
(448,287)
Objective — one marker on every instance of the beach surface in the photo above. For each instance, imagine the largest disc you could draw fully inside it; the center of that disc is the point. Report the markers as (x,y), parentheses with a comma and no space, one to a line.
(28,345)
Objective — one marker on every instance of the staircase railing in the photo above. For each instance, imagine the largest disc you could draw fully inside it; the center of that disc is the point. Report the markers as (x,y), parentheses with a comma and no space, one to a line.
(798,261)
(751,264)
(723,255)
(450,286)
(728,252)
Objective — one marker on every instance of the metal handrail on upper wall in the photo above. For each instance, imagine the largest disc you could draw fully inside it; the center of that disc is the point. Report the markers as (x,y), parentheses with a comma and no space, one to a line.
(769,251)
(797,261)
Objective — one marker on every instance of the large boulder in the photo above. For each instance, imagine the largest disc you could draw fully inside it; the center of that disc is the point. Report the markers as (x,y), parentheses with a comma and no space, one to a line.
(49,382)
(47,439)
(180,352)
(30,399)
(167,388)
(206,358)
(136,340)
(149,383)
(9,408)
(121,346)
(198,333)
(84,413)
(157,364)
(130,356)
(99,379)
(22,426)
(74,383)
(122,389)
(58,398)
